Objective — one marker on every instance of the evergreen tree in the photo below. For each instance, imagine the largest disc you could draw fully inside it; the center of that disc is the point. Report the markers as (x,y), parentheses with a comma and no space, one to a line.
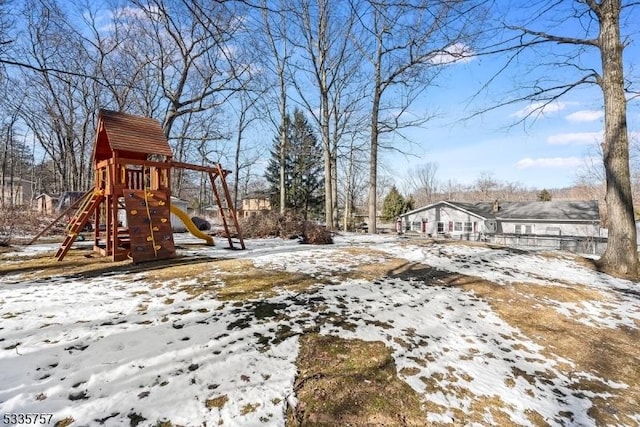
(544,196)
(303,168)
(395,204)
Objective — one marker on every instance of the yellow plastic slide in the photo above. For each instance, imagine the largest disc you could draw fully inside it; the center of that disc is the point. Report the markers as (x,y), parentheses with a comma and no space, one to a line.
(190,225)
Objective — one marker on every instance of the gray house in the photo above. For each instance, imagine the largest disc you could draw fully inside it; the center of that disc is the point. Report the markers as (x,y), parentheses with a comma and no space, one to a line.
(475,220)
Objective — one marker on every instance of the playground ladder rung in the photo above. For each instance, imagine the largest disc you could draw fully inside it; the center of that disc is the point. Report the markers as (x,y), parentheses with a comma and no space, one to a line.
(77,222)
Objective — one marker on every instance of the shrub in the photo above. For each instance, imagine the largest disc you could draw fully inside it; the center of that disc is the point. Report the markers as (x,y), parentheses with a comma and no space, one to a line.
(317,235)
(289,225)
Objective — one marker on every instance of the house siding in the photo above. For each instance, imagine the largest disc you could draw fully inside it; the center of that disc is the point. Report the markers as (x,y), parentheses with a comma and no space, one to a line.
(254,206)
(455,220)
(426,221)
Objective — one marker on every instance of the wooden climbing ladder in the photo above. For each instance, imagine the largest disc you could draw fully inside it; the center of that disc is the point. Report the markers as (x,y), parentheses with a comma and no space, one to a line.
(148,219)
(226,209)
(78,221)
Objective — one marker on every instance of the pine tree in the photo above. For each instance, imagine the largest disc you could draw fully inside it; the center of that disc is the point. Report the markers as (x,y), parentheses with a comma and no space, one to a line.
(395,204)
(303,169)
(544,196)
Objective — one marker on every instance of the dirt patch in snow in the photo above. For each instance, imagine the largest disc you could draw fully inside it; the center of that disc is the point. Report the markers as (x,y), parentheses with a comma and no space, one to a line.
(231,279)
(46,265)
(351,382)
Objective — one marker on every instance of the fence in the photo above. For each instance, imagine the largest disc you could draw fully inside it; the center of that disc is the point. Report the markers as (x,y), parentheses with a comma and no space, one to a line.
(579,244)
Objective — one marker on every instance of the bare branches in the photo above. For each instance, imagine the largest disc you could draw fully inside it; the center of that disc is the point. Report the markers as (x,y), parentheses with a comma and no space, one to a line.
(546,37)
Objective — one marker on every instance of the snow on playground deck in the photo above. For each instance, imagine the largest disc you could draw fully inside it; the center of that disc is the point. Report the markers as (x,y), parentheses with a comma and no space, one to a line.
(83,349)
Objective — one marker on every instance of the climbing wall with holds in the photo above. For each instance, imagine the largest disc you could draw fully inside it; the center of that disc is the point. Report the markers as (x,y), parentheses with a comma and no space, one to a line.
(148,219)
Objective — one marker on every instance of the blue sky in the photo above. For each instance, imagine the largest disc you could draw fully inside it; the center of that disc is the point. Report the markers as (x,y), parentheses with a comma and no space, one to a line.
(543,152)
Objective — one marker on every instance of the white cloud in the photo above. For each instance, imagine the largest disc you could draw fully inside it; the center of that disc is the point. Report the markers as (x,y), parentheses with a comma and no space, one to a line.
(539,108)
(549,162)
(585,116)
(456,53)
(576,138)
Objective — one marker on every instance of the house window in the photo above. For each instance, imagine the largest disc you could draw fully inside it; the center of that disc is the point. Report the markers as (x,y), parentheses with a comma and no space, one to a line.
(458,226)
(524,229)
(468,227)
(416,226)
(441,227)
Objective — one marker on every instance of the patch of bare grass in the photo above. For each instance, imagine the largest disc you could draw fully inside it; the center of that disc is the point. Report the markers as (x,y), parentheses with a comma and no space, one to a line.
(249,408)
(351,382)
(64,422)
(230,279)
(45,266)
(608,353)
(372,270)
(216,402)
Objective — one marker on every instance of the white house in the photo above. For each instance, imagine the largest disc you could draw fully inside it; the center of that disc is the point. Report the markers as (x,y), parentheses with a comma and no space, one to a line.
(470,220)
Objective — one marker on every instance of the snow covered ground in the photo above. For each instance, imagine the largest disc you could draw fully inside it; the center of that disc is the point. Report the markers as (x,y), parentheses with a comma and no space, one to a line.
(120,349)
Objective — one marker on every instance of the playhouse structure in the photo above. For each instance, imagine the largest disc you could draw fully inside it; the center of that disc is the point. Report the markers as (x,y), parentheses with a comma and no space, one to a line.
(130,203)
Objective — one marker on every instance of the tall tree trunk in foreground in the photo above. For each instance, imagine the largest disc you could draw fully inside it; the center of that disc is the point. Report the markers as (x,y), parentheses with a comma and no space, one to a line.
(621,255)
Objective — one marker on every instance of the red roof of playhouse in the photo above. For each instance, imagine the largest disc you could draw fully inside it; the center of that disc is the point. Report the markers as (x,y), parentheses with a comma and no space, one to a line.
(133,137)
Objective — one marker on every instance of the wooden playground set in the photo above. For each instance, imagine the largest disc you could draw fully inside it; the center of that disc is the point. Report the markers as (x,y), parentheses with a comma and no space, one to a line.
(130,203)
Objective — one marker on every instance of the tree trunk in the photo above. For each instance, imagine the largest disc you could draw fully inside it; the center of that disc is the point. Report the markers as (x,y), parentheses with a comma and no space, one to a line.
(236,161)
(375,131)
(283,138)
(373,163)
(334,184)
(328,172)
(621,255)
(347,191)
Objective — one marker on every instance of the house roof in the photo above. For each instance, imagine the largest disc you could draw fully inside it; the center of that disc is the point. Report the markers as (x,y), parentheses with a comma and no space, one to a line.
(560,210)
(574,210)
(53,196)
(256,195)
(133,136)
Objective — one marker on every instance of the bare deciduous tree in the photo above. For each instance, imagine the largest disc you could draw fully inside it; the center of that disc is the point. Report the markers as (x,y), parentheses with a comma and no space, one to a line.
(58,112)
(591,27)
(422,182)
(279,54)
(406,44)
(193,58)
(329,65)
